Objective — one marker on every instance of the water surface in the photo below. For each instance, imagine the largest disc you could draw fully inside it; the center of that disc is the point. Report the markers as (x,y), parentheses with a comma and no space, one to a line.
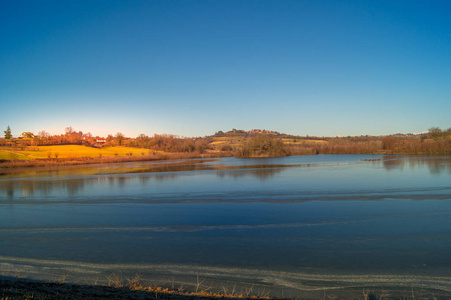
(279,222)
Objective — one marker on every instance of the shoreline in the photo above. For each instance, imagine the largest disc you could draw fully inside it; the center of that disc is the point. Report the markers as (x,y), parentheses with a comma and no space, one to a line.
(188,281)
(18,288)
(30,164)
(48,162)
(10,165)
(136,288)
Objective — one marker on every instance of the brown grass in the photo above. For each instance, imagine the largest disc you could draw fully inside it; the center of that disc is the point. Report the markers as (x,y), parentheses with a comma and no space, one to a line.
(119,287)
(122,287)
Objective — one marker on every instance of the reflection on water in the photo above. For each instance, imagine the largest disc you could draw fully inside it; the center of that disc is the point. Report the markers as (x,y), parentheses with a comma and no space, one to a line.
(69,182)
(321,215)
(262,174)
(71,186)
(436,165)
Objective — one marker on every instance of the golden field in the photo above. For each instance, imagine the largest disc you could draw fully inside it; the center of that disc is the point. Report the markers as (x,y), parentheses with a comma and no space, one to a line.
(70,151)
(291,141)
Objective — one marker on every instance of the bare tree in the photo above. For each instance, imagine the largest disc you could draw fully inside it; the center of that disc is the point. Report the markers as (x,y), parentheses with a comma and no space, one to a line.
(69,130)
(142,140)
(435,133)
(43,134)
(109,138)
(119,138)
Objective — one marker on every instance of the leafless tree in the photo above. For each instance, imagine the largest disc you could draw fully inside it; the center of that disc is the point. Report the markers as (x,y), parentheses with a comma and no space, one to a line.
(119,138)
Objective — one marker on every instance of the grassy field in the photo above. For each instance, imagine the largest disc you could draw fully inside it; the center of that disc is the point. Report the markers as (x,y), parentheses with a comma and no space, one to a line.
(302,141)
(219,142)
(69,151)
(9,155)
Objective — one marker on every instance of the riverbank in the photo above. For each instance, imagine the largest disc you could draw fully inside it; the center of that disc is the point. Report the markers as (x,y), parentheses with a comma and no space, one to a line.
(12,164)
(39,279)
(14,288)
(18,288)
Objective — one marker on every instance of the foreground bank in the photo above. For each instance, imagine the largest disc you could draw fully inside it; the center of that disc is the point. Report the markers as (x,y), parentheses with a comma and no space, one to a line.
(15,288)
(134,288)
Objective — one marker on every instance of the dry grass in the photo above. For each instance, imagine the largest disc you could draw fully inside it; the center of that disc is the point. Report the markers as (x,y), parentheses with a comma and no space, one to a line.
(218,142)
(74,151)
(122,287)
(118,287)
(132,288)
(200,289)
(69,151)
(291,141)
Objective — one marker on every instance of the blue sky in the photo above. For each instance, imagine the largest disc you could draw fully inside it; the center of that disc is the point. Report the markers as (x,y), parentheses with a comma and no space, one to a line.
(192,68)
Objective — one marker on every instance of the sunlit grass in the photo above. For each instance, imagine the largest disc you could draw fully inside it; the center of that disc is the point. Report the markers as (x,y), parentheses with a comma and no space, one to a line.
(217,142)
(232,141)
(8,155)
(302,141)
(73,151)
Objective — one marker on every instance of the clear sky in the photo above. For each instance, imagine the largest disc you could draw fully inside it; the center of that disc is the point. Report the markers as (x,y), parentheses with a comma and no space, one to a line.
(192,68)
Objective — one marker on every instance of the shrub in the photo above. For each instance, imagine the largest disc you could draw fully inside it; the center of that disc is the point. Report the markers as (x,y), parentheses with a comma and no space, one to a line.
(262,145)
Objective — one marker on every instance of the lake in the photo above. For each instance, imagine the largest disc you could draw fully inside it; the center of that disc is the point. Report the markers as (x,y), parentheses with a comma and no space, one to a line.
(293,226)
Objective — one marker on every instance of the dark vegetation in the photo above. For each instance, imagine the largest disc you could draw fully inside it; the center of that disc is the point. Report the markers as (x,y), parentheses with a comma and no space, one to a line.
(262,145)
(8,134)
(436,141)
(170,143)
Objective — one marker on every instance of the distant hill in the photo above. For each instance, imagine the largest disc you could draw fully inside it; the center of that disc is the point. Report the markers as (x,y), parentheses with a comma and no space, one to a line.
(243,133)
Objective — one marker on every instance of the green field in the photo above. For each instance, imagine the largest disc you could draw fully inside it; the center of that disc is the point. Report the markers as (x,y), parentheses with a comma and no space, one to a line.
(69,151)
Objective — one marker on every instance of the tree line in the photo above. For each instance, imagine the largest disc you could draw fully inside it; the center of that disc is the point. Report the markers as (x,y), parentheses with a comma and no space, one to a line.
(165,142)
(435,141)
